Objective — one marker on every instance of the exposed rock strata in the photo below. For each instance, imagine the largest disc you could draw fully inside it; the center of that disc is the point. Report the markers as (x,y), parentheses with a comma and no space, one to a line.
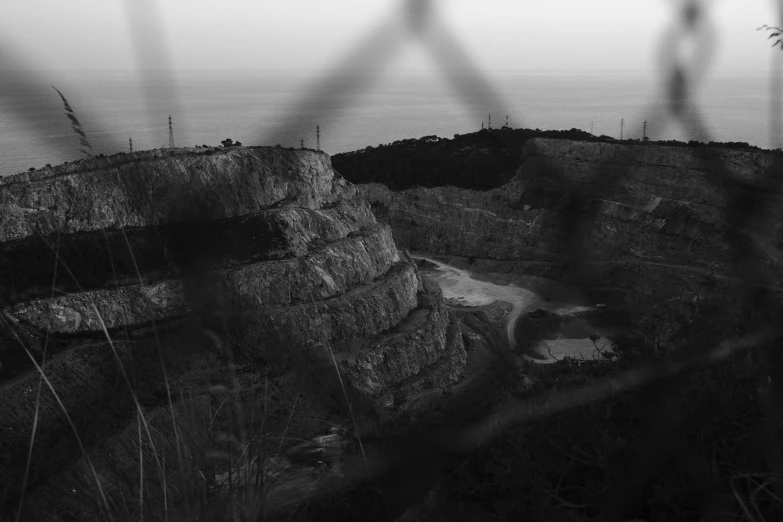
(411,347)
(327,272)
(634,203)
(166,190)
(99,259)
(665,235)
(193,261)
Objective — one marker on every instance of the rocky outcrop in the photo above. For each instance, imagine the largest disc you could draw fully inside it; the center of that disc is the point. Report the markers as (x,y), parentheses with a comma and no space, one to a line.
(146,283)
(177,189)
(628,203)
(404,353)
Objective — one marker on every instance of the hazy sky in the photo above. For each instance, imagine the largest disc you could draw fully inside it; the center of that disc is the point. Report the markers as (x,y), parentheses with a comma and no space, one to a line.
(559,35)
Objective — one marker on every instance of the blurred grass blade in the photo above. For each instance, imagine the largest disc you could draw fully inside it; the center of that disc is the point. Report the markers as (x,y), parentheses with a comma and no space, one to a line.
(76,126)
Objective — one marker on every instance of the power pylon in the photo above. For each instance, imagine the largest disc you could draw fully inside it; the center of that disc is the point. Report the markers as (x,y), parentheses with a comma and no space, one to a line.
(130,144)
(318,137)
(506,120)
(171,134)
(622,124)
(301,143)
(489,123)
(644,130)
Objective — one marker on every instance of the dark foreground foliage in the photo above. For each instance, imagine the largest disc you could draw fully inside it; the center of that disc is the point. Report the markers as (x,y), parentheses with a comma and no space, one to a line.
(697,446)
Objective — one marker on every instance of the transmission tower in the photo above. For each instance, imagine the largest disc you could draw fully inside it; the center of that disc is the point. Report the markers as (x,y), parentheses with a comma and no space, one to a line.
(130,144)
(171,134)
(489,123)
(506,120)
(622,124)
(317,137)
(644,131)
(301,143)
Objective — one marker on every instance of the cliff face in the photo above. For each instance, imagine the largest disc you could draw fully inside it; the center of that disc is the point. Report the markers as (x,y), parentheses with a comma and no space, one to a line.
(633,203)
(665,235)
(259,257)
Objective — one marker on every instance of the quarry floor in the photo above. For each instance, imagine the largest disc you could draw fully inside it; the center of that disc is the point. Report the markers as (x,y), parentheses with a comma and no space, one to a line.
(466,291)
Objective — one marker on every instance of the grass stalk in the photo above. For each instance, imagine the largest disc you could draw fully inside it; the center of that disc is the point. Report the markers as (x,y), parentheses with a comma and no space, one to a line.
(279,449)
(347,400)
(38,392)
(177,439)
(342,384)
(288,422)
(116,281)
(141,472)
(160,360)
(70,423)
(161,468)
(76,126)
(139,412)
(259,477)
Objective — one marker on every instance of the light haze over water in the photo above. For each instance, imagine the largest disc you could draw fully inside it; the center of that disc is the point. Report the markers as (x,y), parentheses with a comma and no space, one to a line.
(254,107)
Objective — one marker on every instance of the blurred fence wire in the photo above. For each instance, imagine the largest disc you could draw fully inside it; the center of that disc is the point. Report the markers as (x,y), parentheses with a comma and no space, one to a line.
(685,52)
(415,21)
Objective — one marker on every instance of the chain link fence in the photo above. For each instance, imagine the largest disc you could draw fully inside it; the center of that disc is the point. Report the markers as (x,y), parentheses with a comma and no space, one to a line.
(681,74)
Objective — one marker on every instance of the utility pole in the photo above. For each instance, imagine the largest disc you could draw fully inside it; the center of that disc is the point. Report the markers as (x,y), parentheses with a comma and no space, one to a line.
(622,124)
(171,134)
(489,125)
(644,131)
(130,143)
(301,143)
(482,124)
(317,137)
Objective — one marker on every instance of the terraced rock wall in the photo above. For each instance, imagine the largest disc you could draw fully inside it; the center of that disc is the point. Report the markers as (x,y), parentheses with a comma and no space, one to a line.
(204,271)
(667,234)
(637,203)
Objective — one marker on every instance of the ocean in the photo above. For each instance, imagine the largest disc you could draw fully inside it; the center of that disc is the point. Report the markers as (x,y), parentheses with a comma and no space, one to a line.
(267,108)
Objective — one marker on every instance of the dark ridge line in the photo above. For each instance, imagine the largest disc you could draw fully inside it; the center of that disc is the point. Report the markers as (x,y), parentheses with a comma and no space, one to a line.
(486,160)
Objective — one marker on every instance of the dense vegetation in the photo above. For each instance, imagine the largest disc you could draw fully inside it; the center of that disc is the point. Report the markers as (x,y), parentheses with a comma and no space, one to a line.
(481,160)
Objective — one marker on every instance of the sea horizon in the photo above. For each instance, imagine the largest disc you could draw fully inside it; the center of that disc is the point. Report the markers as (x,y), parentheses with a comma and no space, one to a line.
(362,109)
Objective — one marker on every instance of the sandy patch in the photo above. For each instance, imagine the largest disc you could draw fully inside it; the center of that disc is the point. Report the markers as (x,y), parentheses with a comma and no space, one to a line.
(462,288)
